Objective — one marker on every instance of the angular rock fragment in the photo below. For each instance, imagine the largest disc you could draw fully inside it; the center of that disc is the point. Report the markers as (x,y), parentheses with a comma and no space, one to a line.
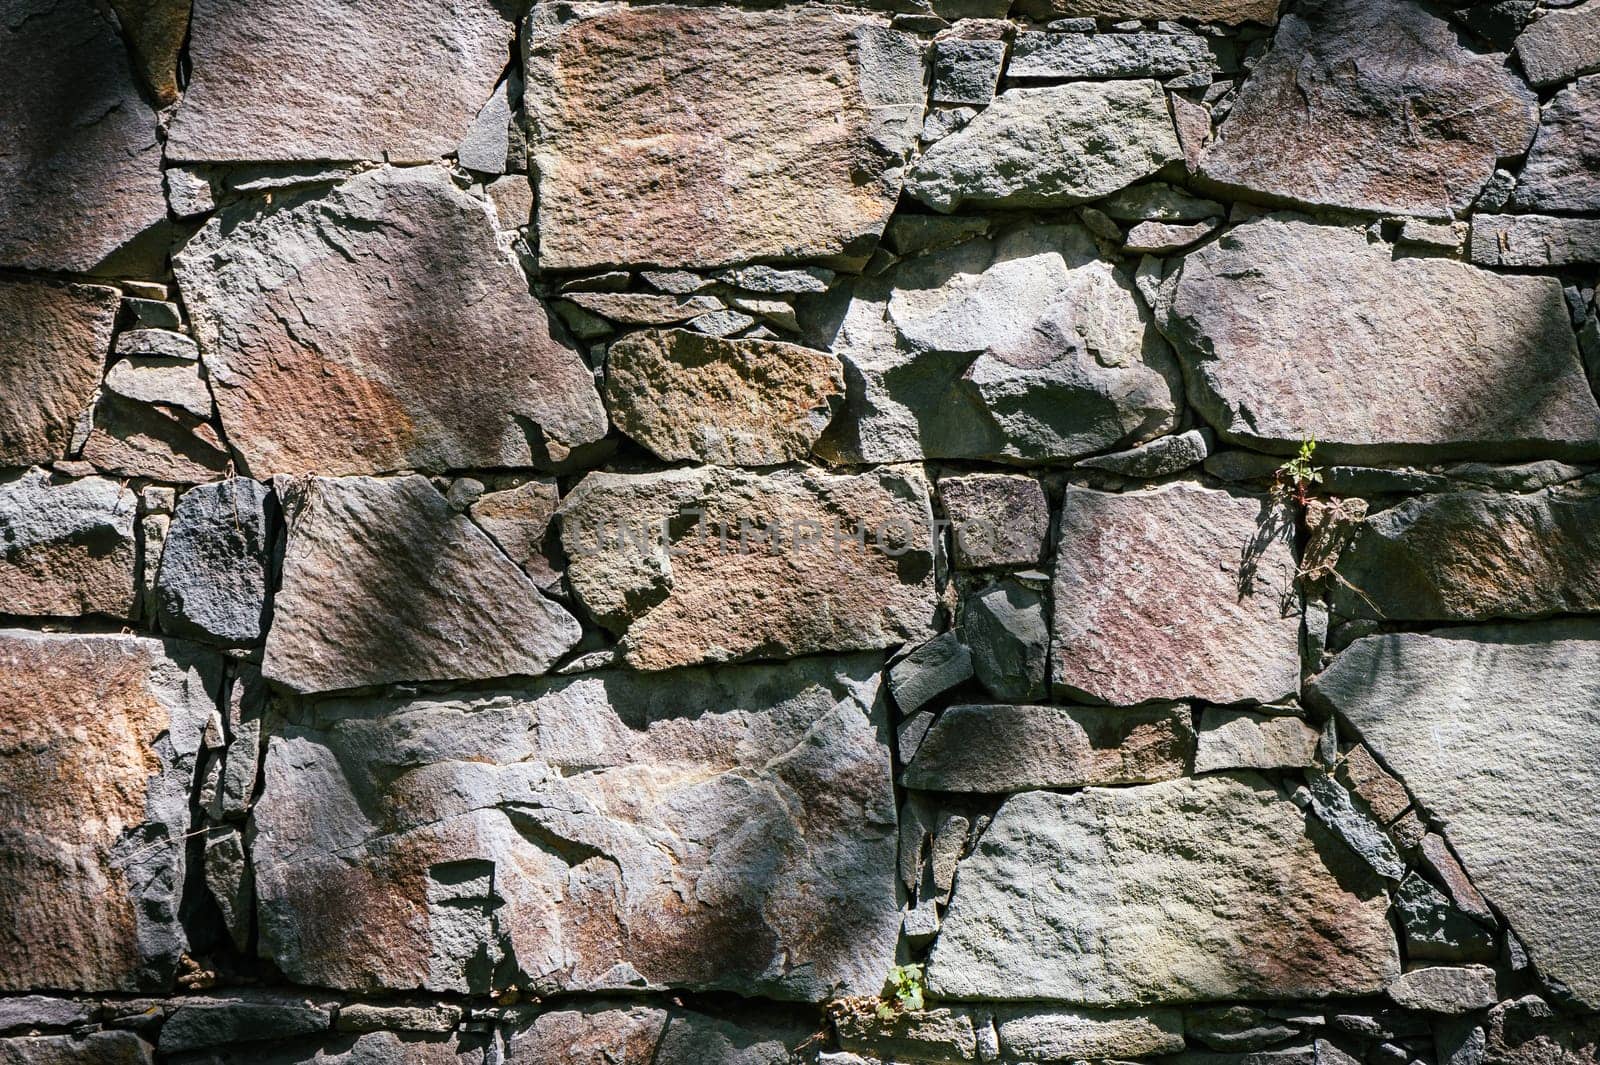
(1434,930)
(80,177)
(383,582)
(1050,147)
(66,549)
(996,519)
(131,439)
(169,382)
(1227,12)
(591,1035)
(1446,989)
(1107,55)
(1006,628)
(726,829)
(95,1048)
(1498,376)
(377,328)
(1164,238)
(645,308)
(1536,241)
(162,343)
(1236,1028)
(1178,592)
(1046,1036)
(98,741)
(731,402)
(53,343)
(966,71)
(675,136)
(214,573)
(1527,1031)
(1001,748)
(1188,890)
(42,1011)
(717,564)
(1559,174)
(517,519)
(156,29)
(1334,807)
(1561,45)
(937,1034)
(1372,105)
(488,140)
(1474,556)
(928,672)
(1487,725)
(1240,739)
(1160,457)
(402,84)
(241,1017)
(1027,347)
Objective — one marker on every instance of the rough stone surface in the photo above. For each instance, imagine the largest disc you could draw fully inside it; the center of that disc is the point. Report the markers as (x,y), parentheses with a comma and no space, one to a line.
(1561,45)
(403,84)
(1008,631)
(1373,105)
(966,71)
(1483,724)
(1498,376)
(732,829)
(1178,592)
(380,328)
(66,549)
(686,396)
(138,440)
(53,342)
(1527,1031)
(1005,748)
(383,582)
(518,520)
(936,1034)
(80,176)
(96,1048)
(246,1016)
(169,382)
(1446,989)
(1023,347)
(1240,739)
(1187,890)
(98,741)
(928,672)
(1050,147)
(1559,174)
(1434,930)
(214,566)
(1474,556)
(996,519)
(1109,55)
(1162,456)
(1536,241)
(1061,1035)
(751,566)
(1227,12)
(156,29)
(674,136)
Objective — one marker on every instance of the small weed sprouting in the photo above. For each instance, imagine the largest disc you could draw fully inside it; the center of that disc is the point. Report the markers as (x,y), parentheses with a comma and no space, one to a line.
(904,993)
(1295,477)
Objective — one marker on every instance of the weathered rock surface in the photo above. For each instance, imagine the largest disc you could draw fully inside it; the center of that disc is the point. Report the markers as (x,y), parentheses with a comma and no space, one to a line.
(719,829)
(1188,890)
(1528,1032)
(172,383)
(1007,628)
(98,738)
(928,672)
(1434,930)
(1561,45)
(1373,105)
(1486,726)
(966,71)
(1050,147)
(66,549)
(383,582)
(1240,739)
(996,519)
(1559,174)
(751,566)
(1161,456)
(402,85)
(96,1048)
(1532,240)
(1026,347)
(518,519)
(53,343)
(937,1034)
(214,574)
(1107,55)
(687,396)
(1474,556)
(1174,593)
(1227,12)
(1004,748)
(1496,376)
(241,1016)
(1446,989)
(379,327)
(138,440)
(80,176)
(1062,1035)
(675,136)
(156,29)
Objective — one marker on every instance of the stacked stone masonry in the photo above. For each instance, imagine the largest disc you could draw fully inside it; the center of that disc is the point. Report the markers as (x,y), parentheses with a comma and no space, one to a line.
(866,532)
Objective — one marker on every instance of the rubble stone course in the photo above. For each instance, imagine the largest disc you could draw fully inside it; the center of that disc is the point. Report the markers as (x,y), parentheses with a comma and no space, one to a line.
(856,532)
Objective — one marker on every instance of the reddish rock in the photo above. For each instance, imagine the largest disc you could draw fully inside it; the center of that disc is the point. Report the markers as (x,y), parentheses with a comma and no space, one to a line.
(53,346)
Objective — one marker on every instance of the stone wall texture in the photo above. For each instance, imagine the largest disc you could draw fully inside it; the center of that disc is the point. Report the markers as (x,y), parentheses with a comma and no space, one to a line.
(739,532)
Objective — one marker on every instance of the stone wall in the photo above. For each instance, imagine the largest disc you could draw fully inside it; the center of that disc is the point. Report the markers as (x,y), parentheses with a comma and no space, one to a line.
(742,535)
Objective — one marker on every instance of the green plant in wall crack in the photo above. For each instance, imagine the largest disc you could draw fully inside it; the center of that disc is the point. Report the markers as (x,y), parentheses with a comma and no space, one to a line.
(903,993)
(1294,478)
